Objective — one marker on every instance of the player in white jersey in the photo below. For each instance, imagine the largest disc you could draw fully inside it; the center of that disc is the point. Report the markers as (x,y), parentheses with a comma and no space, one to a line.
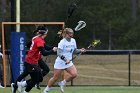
(66,47)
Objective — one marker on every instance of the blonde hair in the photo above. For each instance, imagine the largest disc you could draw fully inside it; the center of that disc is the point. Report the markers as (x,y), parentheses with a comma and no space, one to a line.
(67,30)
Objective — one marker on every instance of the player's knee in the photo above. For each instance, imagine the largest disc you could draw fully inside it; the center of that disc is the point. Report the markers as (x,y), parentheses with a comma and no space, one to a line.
(74,75)
(46,71)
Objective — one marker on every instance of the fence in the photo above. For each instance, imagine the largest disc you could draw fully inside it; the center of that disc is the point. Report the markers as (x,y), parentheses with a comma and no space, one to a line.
(100,67)
(126,62)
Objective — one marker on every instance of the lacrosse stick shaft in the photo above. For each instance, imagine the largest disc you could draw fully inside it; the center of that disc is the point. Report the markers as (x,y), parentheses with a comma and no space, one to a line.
(93,44)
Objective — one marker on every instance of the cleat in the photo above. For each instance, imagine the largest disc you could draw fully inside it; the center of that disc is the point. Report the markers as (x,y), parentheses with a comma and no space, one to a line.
(1,86)
(25,92)
(45,91)
(61,85)
(37,86)
(19,87)
(12,87)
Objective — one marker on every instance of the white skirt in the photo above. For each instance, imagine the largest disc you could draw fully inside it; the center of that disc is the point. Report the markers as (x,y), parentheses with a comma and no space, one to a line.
(62,65)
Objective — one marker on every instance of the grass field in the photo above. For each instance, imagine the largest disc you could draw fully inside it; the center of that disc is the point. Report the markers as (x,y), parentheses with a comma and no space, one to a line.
(86,89)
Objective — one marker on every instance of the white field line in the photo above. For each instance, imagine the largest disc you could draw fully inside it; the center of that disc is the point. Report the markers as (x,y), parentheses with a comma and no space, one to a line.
(120,71)
(109,78)
(103,77)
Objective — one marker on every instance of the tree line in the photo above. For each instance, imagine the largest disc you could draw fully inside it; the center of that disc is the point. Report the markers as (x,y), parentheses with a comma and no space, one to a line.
(114,22)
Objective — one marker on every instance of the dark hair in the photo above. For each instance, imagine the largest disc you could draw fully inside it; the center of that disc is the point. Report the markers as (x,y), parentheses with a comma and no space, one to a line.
(40,30)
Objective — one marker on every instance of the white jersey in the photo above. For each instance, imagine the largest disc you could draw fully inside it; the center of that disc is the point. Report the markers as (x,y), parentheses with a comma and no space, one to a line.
(1,55)
(68,47)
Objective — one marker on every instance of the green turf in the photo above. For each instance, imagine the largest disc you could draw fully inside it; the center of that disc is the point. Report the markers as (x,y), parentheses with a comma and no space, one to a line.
(90,89)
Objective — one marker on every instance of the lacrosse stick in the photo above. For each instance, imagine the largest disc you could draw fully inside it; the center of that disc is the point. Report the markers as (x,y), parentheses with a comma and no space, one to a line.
(93,44)
(70,11)
(81,24)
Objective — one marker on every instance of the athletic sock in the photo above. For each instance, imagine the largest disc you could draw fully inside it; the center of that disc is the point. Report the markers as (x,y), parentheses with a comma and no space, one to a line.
(47,89)
(63,82)
(24,83)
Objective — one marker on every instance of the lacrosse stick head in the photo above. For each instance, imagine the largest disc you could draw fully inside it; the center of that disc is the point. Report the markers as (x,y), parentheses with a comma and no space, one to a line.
(71,9)
(81,24)
(94,43)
